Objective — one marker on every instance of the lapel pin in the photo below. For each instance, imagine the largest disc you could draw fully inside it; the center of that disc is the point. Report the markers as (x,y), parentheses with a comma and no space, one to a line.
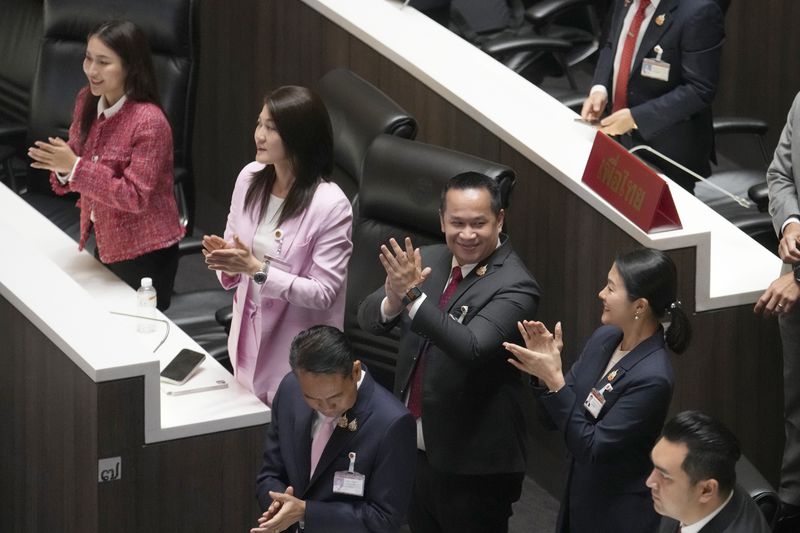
(481,270)
(660,19)
(350,425)
(612,376)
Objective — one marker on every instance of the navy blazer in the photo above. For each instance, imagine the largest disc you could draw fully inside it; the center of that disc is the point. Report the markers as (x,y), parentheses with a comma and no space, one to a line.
(472,399)
(385,447)
(609,457)
(673,116)
(741,515)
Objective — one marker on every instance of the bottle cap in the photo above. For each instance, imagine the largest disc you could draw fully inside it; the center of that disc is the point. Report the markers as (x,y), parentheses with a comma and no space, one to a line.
(147,282)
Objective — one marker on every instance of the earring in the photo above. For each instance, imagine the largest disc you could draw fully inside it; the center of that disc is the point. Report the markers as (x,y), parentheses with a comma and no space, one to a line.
(636,317)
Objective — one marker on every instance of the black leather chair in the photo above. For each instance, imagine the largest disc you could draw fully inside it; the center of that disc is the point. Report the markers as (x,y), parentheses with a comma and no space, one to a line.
(743,177)
(171,27)
(359,112)
(399,197)
(21,28)
(751,480)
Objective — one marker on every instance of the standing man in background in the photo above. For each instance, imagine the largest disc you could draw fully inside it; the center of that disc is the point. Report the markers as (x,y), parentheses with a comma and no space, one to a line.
(780,299)
(456,304)
(657,75)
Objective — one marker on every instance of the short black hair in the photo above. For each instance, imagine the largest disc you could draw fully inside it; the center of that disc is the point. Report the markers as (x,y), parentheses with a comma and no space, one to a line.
(713,448)
(322,350)
(474,180)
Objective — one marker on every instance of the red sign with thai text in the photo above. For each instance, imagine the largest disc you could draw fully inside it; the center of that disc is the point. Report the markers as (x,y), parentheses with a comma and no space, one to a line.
(628,184)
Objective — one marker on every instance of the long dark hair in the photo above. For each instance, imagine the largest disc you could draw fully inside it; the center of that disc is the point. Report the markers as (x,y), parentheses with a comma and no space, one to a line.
(130,44)
(304,126)
(651,274)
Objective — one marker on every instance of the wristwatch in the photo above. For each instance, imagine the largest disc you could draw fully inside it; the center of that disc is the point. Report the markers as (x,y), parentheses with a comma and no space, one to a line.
(796,269)
(412,294)
(260,276)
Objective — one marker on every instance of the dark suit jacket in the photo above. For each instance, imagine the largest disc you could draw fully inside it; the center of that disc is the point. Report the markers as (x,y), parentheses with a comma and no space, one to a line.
(674,116)
(610,456)
(472,397)
(385,447)
(741,515)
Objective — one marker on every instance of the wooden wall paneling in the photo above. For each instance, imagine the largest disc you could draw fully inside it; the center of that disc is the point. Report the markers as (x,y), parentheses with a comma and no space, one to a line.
(48,457)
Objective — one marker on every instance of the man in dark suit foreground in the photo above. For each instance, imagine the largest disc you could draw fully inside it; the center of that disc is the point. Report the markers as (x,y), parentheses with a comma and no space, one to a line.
(657,74)
(694,479)
(456,305)
(339,453)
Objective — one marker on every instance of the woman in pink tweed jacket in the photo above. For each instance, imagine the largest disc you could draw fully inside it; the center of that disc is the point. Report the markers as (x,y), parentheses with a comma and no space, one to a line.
(287,242)
(119,158)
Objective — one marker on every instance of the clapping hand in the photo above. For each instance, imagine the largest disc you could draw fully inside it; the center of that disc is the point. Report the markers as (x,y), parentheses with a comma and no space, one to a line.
(284,511)
(54,155)
(541,356)
(230,258)
(403,271)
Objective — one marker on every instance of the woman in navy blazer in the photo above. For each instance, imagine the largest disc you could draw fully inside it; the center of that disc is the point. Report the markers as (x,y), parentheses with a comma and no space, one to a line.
(612,403)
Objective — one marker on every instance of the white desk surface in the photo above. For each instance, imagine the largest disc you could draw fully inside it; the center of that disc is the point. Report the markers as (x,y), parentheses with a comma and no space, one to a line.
(732,269)
(68,295)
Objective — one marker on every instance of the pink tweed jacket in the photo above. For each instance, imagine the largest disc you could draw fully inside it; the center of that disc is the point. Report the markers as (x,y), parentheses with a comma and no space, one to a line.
(125,177)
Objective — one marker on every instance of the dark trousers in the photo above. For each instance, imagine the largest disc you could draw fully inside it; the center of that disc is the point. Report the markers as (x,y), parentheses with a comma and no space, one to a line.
(790,469)
(453,503)
(161,265)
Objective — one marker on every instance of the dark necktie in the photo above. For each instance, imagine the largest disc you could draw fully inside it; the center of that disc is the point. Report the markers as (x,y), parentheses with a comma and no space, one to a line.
(415,390)
(621,89)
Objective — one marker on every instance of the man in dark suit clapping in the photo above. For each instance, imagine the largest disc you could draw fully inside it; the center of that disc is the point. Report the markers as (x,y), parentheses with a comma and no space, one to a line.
(339,453)
(457,303)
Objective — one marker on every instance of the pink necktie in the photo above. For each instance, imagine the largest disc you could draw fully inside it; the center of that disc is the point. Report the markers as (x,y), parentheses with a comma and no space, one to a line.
(321,437)
(415,390)
(625,60)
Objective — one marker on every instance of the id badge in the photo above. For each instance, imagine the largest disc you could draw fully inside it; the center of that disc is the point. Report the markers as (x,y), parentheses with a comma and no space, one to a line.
(594,402)
(655,69)
(349,481)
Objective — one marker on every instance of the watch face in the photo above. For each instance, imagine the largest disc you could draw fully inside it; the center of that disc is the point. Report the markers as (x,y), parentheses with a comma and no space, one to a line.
(260,277)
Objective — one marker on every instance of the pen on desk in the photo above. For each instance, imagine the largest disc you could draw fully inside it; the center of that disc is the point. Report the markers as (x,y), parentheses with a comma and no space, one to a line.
(221,384)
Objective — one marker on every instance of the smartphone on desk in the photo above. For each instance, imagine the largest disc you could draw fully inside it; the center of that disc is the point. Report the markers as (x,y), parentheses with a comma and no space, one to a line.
(182,367)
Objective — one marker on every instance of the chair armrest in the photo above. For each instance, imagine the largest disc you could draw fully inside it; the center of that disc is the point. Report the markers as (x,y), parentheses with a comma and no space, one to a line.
(224,317)
(725,125)
(543,11)
(760,196)
(534,43)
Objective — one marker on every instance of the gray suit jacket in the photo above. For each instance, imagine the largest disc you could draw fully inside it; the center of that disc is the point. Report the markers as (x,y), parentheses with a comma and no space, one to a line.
(472,398)
(782,176)
(741,515)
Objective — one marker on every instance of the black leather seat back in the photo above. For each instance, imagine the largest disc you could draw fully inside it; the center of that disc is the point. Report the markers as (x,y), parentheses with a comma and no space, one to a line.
(171,28)
(359,112)
(399,196)
(21,30)
(759,489)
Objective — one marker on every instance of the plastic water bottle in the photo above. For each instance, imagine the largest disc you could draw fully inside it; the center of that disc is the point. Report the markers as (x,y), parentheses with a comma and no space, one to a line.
(146,306)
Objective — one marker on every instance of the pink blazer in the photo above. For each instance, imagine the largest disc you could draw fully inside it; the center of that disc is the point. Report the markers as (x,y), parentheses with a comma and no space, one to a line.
(317,246)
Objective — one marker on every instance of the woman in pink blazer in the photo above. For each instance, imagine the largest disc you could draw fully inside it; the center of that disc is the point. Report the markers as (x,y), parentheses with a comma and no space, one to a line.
(119,158)
(287,242)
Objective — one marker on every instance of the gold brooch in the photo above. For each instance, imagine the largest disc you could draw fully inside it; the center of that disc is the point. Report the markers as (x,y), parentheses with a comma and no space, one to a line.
(660,20)
(481,270)
(612,376)
(350,425)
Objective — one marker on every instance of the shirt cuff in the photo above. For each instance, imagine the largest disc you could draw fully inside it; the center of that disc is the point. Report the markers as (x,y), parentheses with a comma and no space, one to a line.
(599,89)
(384,317)
(66,178)
(789,220)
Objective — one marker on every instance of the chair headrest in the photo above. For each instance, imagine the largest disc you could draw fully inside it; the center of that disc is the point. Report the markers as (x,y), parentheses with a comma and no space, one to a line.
(167,23)
(403,180)
(359,112)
